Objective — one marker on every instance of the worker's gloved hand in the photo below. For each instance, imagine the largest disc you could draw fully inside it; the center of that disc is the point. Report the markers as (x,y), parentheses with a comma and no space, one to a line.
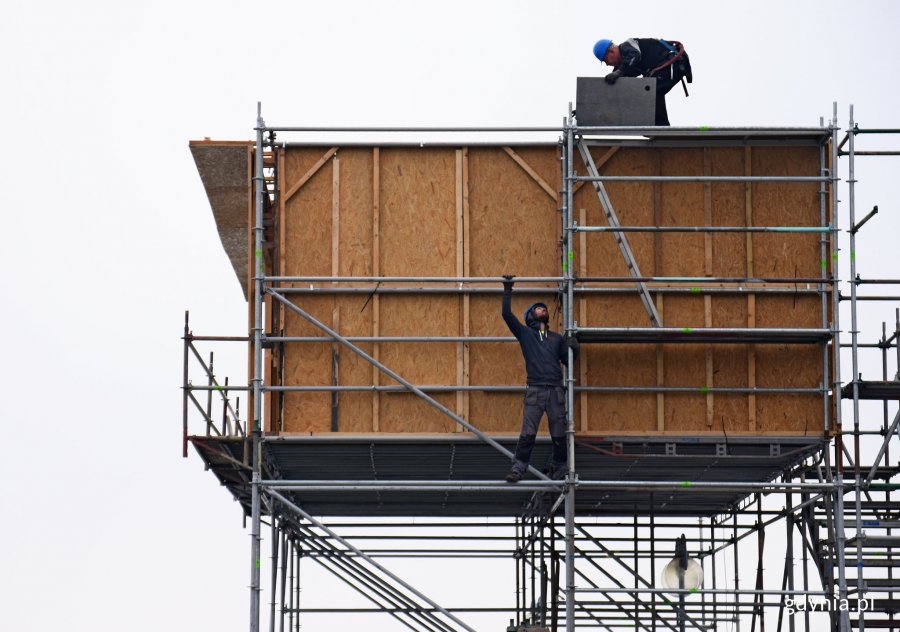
(508,282)
(612,77)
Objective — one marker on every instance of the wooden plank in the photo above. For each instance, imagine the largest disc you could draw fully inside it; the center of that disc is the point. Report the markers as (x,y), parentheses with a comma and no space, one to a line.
(460,267)
(751,298)
(534,175)
(335,271)
(708,271)
(582,316)
(466,307)
(309,174)
(660,373)
(751,365)
(335,218)
(748,206)
(282,250)
(376,271)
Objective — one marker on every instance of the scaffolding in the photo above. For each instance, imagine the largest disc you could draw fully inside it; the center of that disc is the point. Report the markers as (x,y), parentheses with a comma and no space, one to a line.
(587,550)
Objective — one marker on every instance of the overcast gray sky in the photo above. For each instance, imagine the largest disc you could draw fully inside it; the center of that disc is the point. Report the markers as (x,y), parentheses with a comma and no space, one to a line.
(109,236)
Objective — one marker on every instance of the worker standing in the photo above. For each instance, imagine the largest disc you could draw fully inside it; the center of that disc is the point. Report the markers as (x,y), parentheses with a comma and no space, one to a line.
(666,61)
(545,352)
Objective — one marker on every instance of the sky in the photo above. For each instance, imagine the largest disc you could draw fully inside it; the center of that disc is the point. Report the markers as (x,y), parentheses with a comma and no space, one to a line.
(109,235)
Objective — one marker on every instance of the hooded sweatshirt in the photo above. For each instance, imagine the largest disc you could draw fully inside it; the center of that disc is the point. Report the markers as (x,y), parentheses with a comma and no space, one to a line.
(543,351)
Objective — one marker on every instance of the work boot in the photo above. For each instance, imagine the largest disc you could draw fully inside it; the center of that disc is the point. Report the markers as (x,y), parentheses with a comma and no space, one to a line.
(513,476)
(559,472)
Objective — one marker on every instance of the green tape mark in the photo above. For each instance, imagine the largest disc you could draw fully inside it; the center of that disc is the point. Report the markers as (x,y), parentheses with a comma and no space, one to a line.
(824,263)
(687,330)
(218,388)
(259,253)
(852,255)
(695,290)
(565,266)
(571,255)
(834,257)
(704,128)
(686,484)
(704,389)
(257,563)
(694,590)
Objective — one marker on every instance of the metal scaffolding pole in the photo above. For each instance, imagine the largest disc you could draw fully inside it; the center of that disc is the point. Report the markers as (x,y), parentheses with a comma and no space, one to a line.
(259,277)
(570,431)
(613,613)
(409,385)
(295,508)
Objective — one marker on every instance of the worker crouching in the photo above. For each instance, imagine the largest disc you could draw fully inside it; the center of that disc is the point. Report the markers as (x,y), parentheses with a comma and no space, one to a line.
(666,61)
(545,353)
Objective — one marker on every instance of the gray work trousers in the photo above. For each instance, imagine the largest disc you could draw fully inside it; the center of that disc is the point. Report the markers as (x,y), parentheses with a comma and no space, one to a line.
(538,400)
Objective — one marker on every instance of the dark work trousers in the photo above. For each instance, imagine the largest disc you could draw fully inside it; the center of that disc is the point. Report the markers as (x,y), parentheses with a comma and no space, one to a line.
(665,81)
(538,400)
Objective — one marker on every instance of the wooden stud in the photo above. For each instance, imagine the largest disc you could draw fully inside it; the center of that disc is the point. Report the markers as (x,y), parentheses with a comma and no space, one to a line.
(751,364)
(708,270)
(658,270)
(335,217)
(534,175)
(748,207)
(376,271)
(309,174)
(466,310)
(660,374)
(582,315)
(460,351)
(751,298)
(282,270)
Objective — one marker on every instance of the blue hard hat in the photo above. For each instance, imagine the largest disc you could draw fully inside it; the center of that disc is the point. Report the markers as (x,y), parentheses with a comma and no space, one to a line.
(601,47)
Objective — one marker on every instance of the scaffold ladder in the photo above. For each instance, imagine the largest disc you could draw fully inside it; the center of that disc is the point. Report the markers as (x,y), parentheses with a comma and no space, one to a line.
(621,239)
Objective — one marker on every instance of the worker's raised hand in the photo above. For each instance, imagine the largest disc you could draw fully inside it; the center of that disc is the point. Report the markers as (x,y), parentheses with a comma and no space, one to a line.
(508,282)
(611,77)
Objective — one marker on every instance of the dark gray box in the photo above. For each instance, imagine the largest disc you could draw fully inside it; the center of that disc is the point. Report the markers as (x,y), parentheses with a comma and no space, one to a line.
(629,101)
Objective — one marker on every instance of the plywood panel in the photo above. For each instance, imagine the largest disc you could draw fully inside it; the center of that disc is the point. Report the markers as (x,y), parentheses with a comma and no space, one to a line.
(515,227)
(486,211)
(682,204)
(418,212)
(778,204)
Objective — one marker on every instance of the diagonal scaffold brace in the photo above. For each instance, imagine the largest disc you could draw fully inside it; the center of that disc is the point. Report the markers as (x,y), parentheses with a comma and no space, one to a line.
(610,212)
(286,502)
(409,385)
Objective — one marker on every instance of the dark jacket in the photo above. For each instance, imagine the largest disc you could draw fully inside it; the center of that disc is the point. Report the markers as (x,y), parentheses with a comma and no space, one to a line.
(543,351)
(641,55)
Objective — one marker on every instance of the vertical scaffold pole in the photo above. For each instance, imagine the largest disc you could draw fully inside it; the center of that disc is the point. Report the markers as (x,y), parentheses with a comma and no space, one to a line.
(854,344)
(838,506)
(570,400)
(259,273)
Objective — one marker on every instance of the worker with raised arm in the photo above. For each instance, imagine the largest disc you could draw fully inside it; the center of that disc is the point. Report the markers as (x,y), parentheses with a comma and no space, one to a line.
(545,353)
(666,61)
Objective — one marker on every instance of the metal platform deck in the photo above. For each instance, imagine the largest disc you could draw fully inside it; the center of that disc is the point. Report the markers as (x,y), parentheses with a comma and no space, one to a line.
(453,459)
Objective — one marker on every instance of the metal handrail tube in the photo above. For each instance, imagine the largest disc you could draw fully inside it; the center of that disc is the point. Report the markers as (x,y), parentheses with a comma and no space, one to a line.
(409,385)
(702,229)
(450,388)
(700,178)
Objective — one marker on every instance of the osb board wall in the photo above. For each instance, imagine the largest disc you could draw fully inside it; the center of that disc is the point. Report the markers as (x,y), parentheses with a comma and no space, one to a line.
(487,211)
